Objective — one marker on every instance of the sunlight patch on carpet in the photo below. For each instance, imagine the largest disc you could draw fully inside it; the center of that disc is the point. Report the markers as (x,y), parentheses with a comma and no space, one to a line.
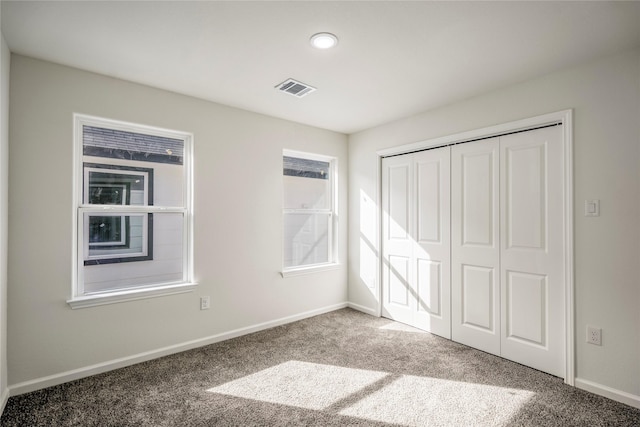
(301,384)
(418,401)
(379,396)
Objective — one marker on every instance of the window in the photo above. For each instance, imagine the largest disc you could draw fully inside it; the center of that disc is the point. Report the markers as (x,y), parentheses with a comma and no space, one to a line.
(309,214)
(113,238)
(132,212)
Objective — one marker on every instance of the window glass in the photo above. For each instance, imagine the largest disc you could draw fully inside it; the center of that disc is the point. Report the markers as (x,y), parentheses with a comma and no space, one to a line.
(133,212)
(306,239)
(113,237)
(166,265)
(308,210)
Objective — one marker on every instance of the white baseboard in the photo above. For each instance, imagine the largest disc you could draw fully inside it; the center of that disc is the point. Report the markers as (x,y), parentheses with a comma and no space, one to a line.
(611,393)
(4,397)
(52,380)
(363,309)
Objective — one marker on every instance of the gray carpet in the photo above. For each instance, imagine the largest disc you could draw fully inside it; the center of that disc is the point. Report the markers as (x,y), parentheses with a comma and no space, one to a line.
(341,368)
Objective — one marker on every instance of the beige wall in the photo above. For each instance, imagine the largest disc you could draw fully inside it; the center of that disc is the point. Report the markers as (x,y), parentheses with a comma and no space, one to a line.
(605,96)
(5,57)
(238,206)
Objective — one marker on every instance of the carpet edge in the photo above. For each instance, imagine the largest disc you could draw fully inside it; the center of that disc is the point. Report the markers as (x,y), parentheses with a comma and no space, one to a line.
(608,392)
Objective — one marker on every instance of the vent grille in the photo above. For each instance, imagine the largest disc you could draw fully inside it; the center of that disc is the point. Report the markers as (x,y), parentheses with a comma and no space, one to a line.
(295,88)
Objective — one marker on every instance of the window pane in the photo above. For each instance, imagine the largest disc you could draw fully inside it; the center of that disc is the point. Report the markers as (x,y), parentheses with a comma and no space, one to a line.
(306,193)
(306,239)
(126,145)
(307,183)
(115,158)
(296,166)
(106,184)
(116,237)
(106,194)
(106,230)
(166,266)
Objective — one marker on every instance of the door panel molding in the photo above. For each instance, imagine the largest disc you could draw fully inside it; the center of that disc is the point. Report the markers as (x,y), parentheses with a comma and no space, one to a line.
(417,291)
(531,249)
(526,216)
(475,251)
(478,288)
(521,290)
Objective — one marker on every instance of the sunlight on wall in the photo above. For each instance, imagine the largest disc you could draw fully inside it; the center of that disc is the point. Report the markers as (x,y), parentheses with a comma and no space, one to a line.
(368,213)
(368,246)
(379,396)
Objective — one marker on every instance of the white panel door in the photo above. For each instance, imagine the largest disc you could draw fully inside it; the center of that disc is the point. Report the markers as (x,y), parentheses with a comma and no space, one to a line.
(416,240)
(432,241)
(475,245)
(398,289)
(532,249)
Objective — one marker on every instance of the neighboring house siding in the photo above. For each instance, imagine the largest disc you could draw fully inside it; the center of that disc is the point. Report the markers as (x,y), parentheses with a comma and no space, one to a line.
(113,143)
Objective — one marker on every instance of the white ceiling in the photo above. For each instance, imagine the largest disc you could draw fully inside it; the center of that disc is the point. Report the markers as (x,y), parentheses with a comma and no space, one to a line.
(394,59)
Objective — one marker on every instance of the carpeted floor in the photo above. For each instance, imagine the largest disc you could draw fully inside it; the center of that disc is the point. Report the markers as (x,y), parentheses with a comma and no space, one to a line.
(341,368)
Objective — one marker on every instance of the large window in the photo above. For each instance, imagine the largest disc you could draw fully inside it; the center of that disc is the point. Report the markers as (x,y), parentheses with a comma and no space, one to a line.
(309,214)
(133,212)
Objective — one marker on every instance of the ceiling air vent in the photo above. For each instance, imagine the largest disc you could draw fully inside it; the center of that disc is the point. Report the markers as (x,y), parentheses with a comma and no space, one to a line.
(295,88)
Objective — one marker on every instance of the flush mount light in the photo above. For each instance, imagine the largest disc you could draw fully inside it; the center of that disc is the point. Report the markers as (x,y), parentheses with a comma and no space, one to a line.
(323,40)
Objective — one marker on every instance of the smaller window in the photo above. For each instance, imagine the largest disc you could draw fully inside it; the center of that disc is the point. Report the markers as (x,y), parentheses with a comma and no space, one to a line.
(114,238)
(309,214)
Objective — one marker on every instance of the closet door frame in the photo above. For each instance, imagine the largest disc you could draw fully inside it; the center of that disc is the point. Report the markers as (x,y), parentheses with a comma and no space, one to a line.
(565,118)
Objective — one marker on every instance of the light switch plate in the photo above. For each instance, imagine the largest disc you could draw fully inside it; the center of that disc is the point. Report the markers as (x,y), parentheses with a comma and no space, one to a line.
(592,208)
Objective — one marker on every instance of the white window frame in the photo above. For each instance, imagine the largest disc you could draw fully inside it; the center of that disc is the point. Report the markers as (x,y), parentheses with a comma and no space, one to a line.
(332,211)
(87,190)
(80,299)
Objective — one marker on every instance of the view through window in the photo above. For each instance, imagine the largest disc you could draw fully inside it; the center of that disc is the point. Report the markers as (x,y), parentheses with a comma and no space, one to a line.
(309,210)
(133,211)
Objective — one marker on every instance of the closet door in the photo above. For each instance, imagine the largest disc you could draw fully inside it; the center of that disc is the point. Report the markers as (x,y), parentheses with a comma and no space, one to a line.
(532,249)
(416,240)
(398,288)
(432,241)
(475,245)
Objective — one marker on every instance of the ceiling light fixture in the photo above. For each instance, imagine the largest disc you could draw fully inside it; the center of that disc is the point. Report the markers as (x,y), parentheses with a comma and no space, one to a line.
(323,40)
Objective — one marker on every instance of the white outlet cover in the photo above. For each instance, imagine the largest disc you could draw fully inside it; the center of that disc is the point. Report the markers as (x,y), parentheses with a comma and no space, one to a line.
(594,335)
(592,207)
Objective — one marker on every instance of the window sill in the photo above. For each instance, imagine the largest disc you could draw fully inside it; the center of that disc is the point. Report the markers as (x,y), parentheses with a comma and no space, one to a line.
(309,270)
(129,295)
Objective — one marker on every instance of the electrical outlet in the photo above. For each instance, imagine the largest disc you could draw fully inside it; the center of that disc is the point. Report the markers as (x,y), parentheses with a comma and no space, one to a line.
(205,303)
(592,208)
(594,335)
